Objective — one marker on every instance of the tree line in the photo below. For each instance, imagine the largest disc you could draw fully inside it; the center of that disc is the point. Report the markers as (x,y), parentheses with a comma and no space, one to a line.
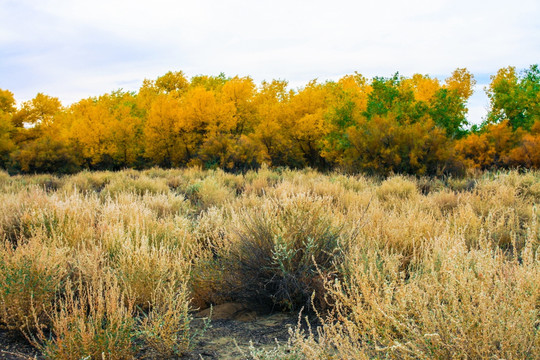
(414,125)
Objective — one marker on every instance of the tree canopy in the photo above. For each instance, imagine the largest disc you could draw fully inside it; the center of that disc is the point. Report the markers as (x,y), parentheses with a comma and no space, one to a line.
(396,124)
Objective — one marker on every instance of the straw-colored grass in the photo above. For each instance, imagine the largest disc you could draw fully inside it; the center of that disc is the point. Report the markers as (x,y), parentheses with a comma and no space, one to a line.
(113,264)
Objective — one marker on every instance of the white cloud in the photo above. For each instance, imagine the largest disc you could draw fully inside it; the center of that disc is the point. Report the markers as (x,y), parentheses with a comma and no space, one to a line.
(74,49)
(478,105)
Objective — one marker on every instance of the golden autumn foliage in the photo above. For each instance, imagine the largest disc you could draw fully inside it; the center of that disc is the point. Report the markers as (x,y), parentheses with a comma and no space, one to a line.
(269,123)
(383,146)
(499,146)
(527,154)
(163,145)
(423,87)
(6,143)
(414,125)
(7,101)
(91,130)
(461,81)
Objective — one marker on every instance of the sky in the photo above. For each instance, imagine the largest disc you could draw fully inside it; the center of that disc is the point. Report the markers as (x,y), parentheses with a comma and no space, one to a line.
(74,49)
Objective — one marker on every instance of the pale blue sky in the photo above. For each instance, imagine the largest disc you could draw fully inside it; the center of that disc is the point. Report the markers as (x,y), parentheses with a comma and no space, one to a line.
(75,49)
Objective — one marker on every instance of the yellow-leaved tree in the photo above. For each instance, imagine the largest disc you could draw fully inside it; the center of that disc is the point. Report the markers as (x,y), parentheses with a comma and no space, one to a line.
(7,108)
(346,102)
(271,103)
(305,123)
(383,145)
(208,122)
(125,127)
(91,132)
(162,134)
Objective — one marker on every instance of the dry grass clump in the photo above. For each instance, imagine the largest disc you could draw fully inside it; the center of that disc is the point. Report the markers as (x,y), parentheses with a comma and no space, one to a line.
(83,265)
(112,264)
(165,329)
(397,188)
(209,192)
(258,182)
(534,192)
(16,215)
(59,216)
(280,251)
(31,275)
(133,220)
(355,183)
(181,180)
(497,207)
(4,178)
(45,182)
(461,184)
(143,270)
(526,184)
(257,186)
(168,205)
(160,173)
(87,181)
(457,304)
(132,182)
(446,201)
(428,185)
(92,321)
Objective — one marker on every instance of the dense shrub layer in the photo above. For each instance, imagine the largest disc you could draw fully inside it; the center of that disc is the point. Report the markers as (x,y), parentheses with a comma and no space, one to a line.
(115,263)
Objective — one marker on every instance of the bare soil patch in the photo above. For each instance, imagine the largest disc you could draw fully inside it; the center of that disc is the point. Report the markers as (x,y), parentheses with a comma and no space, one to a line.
(13,346)
(235,326)
(229,334)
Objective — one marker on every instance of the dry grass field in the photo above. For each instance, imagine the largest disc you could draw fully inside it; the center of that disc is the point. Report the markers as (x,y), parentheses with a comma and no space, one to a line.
(112,265)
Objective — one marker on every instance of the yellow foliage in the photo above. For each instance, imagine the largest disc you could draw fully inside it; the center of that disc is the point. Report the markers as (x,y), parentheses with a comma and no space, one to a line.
(91,129)
(528,153)
(423,87)
(381,125)
(41,109)
(161,131)
(358,86)
(462,81)
(490,148)
(7,101)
